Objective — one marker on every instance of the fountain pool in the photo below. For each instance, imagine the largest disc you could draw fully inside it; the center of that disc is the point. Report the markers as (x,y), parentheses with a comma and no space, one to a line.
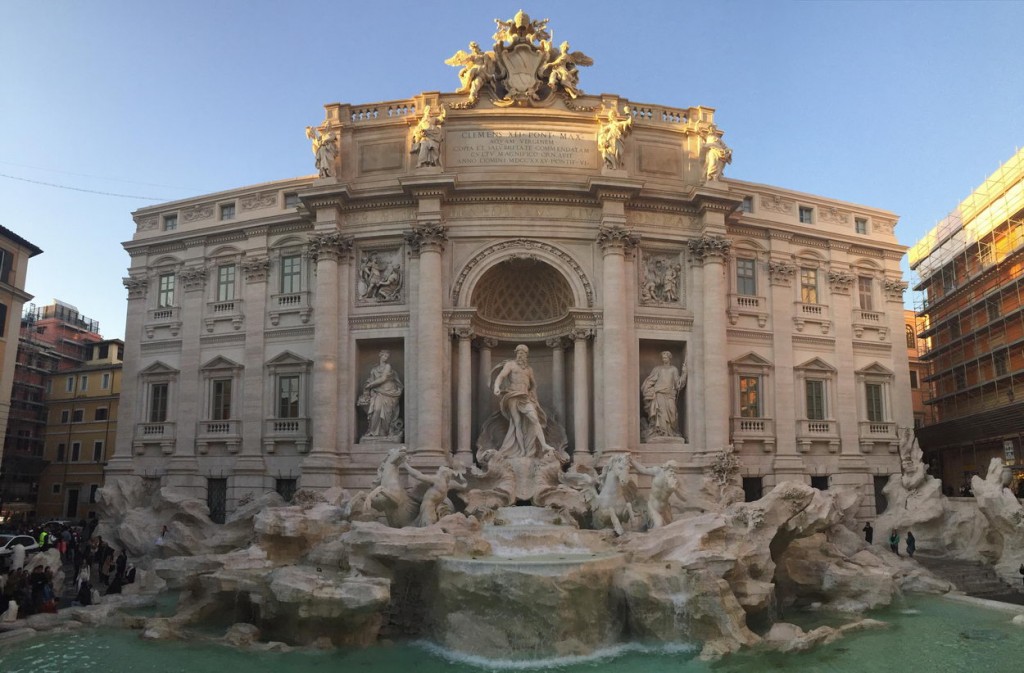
(925,633)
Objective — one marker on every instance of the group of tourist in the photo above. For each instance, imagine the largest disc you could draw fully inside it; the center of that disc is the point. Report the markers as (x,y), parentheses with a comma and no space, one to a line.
(894,540)
(29,587)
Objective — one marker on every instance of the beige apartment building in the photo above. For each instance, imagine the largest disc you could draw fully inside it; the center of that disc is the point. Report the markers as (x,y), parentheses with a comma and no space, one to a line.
(289,334)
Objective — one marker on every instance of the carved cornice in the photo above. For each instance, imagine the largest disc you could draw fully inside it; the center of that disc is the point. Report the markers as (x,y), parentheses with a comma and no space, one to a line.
(193,278)
(709,247)
(559,200)
(136,286)
(827,343)
(779,235)
(617,240)
(155,347)
(289,333)
(892,255)
(840,281)
(894,289)
(841,246)
(426,237)
(777,204)
(809,242)
(749,335)
(684,324)
(379,321)
(222,339)
(265,199)
(749,232)
(332,245)
(781,272)
(871,347)
(866,252)
(255,269)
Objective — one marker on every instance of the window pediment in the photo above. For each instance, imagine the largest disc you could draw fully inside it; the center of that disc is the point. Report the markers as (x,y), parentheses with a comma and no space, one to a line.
(220,363)
(158,369)
(751,359)
(816,365)
(875,369)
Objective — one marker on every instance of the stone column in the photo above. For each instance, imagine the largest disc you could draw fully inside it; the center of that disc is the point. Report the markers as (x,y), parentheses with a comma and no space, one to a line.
(711,252)
(557,377)
(182,468)
(580,396)
(250,470)
(788,463)
(321,468)
(616,242)
(484,396)
(464,451)
(428,240)
(131,411)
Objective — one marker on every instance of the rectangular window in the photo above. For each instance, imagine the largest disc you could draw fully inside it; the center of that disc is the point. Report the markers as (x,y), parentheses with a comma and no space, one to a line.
(820,482)
(221,402)
(69,385)
(750,396)
(291,200)
(49,386)
(83,383)
(960,378)
(911,339)
(286,488)
(92,493)
(226,282)
(806,215)
(948,278)
(170,222)
(227,211)
(76,451)
(105,381)
(165,297)
(97,451)
(100,414)
(875,410)
(993,308)
(746,278)
(56,489)
(158,402)
(288,397)
(1001,362)
(815,400)
(913,380)
(860,225)
(864,293)
(78,416)
(954,327)
(985,256)
(6,264)
(61,449)
(65,416)
(747,205)
(290,274)
(808,285)
(3,319)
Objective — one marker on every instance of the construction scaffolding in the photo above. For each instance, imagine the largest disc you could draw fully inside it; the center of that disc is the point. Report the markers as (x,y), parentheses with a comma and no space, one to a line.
(971,271)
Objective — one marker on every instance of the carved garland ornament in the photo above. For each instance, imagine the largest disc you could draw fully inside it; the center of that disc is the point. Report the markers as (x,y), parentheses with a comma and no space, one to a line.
(709,246)
(255,269)
(147,223)
(894,289)
(195,213)
(329,246)
(840,281)
(781,273)
(525,245)
(266,199)
(193,278)
(776,204)
(136,287)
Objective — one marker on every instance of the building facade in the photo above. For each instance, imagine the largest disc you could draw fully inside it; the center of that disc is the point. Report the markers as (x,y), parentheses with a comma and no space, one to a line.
(971,269)
(52,338)
(924,414)
(15,252)
(82,406)
(291,333)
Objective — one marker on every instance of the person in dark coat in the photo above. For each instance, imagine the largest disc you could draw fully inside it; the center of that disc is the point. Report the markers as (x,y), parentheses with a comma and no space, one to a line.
(869,532)
(911,544)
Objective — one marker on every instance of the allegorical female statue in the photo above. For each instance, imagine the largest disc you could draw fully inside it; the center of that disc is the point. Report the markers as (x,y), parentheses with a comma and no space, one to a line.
(380,398)
(660,391)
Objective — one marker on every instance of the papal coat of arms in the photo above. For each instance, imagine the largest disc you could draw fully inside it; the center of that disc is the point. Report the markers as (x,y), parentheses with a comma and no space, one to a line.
(523,67)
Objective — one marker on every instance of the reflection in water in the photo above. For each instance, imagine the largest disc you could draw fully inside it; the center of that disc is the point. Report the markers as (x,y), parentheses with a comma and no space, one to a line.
(931,634)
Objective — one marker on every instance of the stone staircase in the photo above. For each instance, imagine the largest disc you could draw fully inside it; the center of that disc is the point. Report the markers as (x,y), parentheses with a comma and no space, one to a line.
(974,578)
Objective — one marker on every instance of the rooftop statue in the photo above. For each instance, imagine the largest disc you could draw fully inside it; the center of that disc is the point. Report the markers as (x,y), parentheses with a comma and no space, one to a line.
(428,136)
(522,68)
(610,137)
(716,154)
(325,149)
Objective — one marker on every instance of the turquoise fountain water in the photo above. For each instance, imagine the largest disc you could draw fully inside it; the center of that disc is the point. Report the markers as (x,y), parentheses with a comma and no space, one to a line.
(925,634)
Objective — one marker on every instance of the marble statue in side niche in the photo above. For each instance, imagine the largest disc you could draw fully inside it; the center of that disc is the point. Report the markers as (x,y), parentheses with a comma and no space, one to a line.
(428,136)
(664,484)
(477,70)
(563,69)
(610,137)
(716,155)
(380,400)
(660,392)
(435,503)
(517,388)
(325,149)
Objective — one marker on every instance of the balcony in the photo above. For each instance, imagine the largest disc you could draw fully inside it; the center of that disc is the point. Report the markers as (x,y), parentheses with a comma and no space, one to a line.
(227,432)
(809,431)
(863,321)
(165,317)
(286,430)
(875,431)
(815,314)
(159,433)
(753,429)
(227,311)
(290,303)
(749,305)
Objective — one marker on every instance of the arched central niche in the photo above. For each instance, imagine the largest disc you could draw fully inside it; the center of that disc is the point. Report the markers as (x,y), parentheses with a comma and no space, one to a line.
(522,291)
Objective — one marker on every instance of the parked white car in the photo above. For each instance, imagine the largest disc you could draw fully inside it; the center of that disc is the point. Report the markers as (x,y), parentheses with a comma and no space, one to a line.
(7,543)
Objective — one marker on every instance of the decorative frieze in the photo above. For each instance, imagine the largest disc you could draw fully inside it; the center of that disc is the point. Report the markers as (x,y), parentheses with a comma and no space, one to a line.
(781,272)
(193,278)
(267,199)
(196,213)
(426,237)
(379,321)
(331,245)
(840,281)
(256,269)
(832,215)
(708,246)
(146,223)
(777,204)
(136,287)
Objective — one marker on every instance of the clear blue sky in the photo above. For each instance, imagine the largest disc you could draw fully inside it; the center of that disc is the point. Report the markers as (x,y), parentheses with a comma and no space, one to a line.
(906,106)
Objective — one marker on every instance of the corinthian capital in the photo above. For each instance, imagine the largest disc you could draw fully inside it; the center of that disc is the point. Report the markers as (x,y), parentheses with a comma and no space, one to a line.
(709,247)
(427,237)
(617,240)
(329,246)
(136,287)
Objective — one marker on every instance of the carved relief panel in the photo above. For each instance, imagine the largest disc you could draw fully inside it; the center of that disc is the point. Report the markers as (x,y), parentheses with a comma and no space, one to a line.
(381,276)
(661,278)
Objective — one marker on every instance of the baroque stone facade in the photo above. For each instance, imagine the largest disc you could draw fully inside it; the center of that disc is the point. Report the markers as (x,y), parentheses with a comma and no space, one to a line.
(258,317)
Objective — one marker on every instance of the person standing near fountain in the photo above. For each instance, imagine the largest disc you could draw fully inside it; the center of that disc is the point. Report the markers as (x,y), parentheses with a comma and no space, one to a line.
(894,543)
(517,388)
(869,532)
(911,544)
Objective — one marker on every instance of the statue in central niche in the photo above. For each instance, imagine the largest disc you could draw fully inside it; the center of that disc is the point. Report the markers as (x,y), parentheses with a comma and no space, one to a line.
(517,388)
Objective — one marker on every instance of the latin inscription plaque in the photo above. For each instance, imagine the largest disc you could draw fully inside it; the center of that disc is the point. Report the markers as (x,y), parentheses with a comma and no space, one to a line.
(521,147)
